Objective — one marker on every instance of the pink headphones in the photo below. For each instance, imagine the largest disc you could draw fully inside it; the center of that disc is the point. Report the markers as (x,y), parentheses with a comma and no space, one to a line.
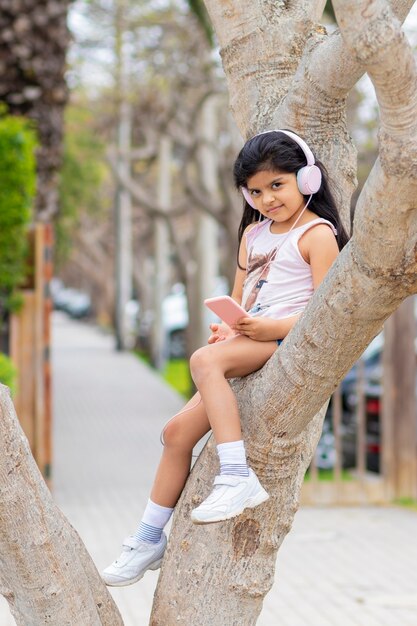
(308,177)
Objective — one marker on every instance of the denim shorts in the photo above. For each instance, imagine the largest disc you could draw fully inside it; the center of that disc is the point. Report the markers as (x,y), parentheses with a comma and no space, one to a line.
(279,341)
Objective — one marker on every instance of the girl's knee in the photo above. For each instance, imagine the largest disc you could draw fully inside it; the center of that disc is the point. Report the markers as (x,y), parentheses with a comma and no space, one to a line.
(201,362)
(174,435)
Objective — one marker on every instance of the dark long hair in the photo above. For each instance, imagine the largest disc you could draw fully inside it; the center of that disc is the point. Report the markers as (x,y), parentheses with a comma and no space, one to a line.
(276,151)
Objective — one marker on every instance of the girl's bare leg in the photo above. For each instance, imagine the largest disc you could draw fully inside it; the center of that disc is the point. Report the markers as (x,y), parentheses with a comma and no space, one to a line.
(212,365)
(180,436)
(145,549)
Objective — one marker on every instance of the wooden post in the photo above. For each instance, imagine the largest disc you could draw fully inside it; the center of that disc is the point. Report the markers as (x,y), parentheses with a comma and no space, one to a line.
(39,442)
(30,350)
(47,373)
(22,348)
(399,413)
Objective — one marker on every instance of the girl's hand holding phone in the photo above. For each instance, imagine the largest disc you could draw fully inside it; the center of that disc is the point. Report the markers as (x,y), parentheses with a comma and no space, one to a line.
(258,328)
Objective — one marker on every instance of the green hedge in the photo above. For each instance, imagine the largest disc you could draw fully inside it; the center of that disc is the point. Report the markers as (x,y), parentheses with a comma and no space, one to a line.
(8,373)
(17,192)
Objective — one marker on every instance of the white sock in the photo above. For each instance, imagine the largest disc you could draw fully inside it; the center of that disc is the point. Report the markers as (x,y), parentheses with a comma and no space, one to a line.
(232,457)
(154,519)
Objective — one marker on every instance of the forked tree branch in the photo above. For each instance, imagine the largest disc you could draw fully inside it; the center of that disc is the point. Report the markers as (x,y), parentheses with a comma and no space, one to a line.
(332,57)
(261,45)
(373,35)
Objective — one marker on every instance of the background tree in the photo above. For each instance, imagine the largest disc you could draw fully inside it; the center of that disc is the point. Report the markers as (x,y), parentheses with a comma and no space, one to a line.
(84,239)
(172,75)
(166,99)
(33,45)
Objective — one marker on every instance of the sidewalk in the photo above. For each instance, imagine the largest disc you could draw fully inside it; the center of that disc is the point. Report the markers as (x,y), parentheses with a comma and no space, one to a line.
(338,566)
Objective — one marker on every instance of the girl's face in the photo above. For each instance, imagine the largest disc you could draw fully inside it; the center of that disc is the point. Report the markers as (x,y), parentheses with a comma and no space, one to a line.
(276,195)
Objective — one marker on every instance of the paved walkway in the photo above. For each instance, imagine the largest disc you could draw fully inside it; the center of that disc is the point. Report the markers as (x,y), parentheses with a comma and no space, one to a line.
(338,566)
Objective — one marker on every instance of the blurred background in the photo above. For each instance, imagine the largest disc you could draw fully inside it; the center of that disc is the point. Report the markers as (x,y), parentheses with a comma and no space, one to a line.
(134,218)
(118,212)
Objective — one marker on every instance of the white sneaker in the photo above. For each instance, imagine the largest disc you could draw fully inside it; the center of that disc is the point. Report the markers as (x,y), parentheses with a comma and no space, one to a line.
(230,496)
(137,557)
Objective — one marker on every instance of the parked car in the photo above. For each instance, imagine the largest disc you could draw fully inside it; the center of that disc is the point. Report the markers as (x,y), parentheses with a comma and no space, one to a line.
(175,319)
(73,301)
(325,454)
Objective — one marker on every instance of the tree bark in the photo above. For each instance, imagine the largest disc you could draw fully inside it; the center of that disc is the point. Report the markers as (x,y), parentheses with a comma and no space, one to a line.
(224,570)
(46,574)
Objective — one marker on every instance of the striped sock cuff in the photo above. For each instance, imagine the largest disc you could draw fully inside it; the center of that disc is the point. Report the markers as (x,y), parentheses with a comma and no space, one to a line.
(148,533)
(232,469)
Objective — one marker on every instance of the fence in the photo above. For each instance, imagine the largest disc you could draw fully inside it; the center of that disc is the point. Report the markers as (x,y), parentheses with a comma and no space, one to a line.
(30,349)
(368,450)
(336,483)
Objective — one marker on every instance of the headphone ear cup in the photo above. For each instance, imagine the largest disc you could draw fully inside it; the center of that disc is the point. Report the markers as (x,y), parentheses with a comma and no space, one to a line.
(248,197)
(309,180)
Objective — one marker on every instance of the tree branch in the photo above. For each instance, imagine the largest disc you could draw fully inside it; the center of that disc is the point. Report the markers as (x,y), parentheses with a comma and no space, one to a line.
(140,196)
(333,58)
(261,45)
(326,74)
(374,37)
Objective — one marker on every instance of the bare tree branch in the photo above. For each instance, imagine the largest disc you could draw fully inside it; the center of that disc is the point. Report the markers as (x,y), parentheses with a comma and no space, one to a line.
(201,199)
(140,196)
(374,36)
(270,40)
(333,56)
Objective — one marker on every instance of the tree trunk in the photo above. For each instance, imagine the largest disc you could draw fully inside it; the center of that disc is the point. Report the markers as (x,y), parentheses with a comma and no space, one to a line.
(46,574)
(223,571)
(284,71)
(207,229)
(162,256)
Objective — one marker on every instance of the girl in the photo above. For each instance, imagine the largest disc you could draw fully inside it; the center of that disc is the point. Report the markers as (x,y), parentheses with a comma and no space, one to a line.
(289,236)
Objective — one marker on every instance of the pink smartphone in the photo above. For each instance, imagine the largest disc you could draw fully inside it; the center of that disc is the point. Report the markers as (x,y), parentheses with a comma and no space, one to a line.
(226,308)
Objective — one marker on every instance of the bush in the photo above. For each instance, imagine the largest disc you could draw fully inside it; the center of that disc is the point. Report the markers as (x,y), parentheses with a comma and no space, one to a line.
(8,373)
(17,192)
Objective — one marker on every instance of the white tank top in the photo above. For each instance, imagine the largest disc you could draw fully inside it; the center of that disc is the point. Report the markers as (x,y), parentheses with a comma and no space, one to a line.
(278,282)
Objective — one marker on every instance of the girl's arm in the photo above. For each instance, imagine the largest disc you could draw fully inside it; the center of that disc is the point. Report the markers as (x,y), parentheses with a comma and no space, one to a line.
(265,328)
(237,291)
(319,248)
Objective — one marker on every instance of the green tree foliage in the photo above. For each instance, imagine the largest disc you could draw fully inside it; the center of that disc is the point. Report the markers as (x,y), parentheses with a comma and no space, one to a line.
(199,9)
(82,175)
(17,193)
